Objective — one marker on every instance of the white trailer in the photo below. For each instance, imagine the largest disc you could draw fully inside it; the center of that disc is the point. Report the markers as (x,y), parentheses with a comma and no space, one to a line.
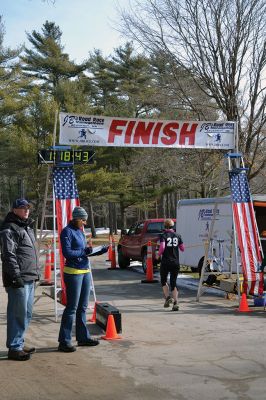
(193,221)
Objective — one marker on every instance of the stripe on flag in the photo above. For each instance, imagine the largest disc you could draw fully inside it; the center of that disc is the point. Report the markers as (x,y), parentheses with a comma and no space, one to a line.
(66,199)
(248,240)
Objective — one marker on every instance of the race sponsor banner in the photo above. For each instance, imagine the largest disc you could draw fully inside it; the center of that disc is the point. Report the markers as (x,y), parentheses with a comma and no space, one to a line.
(89,130)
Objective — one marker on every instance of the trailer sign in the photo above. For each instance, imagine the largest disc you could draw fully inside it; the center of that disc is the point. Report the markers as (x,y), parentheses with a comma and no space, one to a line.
(206,214)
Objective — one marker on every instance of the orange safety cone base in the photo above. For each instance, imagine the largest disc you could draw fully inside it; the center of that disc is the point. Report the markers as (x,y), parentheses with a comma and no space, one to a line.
(111,333)
(243,307)
(149,281)
(111,338)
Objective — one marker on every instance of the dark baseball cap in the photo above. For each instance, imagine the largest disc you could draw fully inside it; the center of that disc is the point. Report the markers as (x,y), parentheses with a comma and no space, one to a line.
(21,203)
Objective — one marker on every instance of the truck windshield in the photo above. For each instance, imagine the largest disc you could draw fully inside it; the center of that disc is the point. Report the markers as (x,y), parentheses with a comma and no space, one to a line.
(155,227)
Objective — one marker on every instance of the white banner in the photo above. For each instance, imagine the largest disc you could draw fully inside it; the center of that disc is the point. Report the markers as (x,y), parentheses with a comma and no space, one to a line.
(87,130)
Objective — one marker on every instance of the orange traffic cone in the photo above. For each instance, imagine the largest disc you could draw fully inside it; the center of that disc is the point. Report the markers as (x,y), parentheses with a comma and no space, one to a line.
(47,269)
(110,249)
(243,306)
(93,317)
(113,259)
(111,333)
(149,269)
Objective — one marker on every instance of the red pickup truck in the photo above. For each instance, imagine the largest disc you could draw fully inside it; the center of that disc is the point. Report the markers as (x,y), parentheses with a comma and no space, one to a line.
(133,245)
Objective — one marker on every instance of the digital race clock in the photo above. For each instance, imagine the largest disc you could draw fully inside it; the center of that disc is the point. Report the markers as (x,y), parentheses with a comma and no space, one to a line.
(71,156)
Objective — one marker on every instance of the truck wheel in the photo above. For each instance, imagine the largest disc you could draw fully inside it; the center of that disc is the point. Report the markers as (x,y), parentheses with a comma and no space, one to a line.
(123,261)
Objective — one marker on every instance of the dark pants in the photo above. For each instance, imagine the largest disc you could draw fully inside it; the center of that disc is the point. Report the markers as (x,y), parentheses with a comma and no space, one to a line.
(77,292)
(165,269)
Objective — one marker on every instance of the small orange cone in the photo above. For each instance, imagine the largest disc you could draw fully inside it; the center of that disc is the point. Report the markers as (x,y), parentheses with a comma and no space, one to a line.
(93,317)
(111,333)
(243,306)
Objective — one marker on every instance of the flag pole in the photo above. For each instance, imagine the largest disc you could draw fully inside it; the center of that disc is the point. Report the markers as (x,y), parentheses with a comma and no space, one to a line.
(234,229)
(54,230)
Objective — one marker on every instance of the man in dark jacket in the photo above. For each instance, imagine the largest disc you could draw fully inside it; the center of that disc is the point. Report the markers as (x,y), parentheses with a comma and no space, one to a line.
(19,271)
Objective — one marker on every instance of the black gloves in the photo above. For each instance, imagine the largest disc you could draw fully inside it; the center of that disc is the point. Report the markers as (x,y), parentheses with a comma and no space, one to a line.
(17,282)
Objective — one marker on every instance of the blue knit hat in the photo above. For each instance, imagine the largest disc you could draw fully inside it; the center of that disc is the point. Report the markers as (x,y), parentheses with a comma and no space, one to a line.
(20,203)
(79,213)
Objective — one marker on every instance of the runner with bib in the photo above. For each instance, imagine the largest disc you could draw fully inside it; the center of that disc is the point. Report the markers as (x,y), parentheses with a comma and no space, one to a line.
(170,244)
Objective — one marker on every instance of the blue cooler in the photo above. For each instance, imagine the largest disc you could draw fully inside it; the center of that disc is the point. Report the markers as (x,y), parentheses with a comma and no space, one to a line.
(260,301)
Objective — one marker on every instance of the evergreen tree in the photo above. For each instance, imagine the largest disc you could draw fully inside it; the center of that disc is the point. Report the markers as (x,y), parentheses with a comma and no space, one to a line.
(46,61)
(132,74)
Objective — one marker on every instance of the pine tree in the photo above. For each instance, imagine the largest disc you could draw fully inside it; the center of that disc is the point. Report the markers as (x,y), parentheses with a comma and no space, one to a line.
(46,61)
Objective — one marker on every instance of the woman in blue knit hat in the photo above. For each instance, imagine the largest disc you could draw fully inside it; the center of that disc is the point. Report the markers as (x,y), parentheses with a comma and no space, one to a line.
(77,279)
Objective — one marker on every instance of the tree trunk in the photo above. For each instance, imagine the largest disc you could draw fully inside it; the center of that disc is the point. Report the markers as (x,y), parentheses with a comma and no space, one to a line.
(110,219)
(123,215)
(115,218)
(91,219)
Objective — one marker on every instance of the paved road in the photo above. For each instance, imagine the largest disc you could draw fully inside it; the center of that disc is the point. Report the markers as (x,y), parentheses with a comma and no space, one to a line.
(207,350)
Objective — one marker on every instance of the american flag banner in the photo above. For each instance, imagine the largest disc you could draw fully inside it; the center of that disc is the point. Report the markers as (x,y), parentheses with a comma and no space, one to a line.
(246,231)
(66,199)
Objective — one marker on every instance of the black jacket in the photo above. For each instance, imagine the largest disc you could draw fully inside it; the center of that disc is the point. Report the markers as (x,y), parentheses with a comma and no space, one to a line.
(18,251)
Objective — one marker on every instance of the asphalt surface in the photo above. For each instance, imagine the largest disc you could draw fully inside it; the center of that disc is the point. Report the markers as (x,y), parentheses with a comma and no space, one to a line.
(207,350)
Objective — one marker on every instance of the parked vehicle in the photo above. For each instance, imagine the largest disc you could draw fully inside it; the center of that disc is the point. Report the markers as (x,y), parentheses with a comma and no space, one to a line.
(194,218)
(133,245)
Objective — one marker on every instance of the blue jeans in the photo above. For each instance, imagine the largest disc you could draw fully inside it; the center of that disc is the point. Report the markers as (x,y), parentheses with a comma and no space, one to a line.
(77,293)
(19,313)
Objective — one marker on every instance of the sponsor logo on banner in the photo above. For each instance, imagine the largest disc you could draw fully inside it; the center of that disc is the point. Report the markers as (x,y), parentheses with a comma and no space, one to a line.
(129,132)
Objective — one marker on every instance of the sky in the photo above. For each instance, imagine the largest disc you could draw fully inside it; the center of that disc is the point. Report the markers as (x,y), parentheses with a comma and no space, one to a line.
(85,24)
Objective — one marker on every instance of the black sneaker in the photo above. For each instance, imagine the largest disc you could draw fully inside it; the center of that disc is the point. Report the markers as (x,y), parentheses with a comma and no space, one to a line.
(18,355)
(167,302)
(66,348)
(89,342)
(175,306)
(29,350)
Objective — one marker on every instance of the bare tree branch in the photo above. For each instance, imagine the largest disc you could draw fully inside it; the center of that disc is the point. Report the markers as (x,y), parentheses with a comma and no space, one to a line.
(222,45)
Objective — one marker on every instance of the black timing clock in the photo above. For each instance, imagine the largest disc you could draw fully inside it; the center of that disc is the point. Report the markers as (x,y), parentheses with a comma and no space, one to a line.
(65,157)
